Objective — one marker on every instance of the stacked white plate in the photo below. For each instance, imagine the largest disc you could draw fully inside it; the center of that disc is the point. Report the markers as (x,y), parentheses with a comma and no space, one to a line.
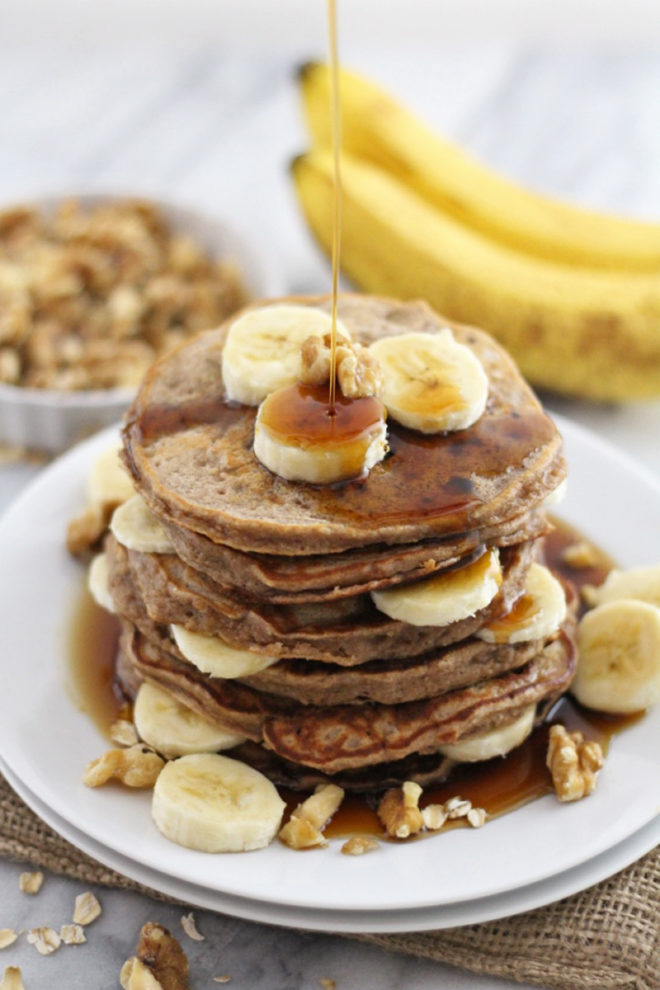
(520,861)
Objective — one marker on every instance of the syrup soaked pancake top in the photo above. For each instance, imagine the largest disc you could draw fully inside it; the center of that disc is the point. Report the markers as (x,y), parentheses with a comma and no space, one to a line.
(190,454)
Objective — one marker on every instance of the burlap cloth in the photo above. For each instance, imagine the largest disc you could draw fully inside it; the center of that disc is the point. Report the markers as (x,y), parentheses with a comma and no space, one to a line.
(604,938)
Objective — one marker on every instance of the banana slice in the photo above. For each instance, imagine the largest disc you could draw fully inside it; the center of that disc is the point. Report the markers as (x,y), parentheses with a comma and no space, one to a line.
(175,730)
(213,656)
(97,582)
(619,657)
(496,742)
(108,482)
(445,598)
(317,449)
(262,349)
(431,382)
(214,804)
(537,613)
(557,496)
(640,583)
(134,525)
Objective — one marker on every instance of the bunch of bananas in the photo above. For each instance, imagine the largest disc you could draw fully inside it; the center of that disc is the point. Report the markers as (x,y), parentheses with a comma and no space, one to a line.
(574,295)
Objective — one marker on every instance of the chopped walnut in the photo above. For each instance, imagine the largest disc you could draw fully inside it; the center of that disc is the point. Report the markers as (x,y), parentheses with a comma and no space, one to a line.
(123,733)
(399,812)
(7,937)
(190,928)
(45,940)
(87,909)
(84,533)
(72,934)
(303,830)
(298,833)
(30,883)
(573,763)
(136,766)
(357,845)
(358,372)
(88,298)
(581,554)
(12,979)
(158,956)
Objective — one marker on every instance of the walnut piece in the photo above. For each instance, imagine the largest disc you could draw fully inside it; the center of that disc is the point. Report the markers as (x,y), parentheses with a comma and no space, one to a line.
(358,845)
(298,833)
(88,298)
(136,766)
(303,830)
(45,940)
(399,812)
(7,937)
(123,733)
(159,956)
(87,909)
(30,883)
(573,763)
(12,979)
(358,372)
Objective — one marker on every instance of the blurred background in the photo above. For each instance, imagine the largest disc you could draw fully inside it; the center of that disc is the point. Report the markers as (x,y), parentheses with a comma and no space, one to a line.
(195,101)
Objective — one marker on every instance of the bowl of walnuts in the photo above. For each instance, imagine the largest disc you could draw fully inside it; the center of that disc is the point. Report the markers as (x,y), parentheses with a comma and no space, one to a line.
(92,290)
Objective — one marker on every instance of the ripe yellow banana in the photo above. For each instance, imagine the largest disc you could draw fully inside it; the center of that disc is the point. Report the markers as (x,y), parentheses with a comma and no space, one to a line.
(378,129)
(579,331)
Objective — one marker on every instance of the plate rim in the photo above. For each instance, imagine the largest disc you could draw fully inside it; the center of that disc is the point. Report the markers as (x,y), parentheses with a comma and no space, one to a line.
(83,453)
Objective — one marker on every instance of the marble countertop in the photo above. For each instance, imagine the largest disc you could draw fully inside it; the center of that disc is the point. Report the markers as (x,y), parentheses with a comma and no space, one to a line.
(175,107)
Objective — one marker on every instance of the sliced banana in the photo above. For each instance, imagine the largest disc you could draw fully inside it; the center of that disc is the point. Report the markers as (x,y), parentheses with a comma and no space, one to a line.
(291,458)
(431,382)
(619,657)
(537,613)
(174,729)
(496,742)
(447,597)
(97,582)
(215,804)
(213,656)
(640,583)
(262,349)
(108,481)
(556,496)
(134,525)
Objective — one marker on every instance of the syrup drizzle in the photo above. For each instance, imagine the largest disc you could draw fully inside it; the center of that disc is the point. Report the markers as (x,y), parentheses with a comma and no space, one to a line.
(335,114)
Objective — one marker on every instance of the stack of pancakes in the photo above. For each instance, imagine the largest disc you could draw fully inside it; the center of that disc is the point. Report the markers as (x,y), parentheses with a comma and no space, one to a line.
(284,569)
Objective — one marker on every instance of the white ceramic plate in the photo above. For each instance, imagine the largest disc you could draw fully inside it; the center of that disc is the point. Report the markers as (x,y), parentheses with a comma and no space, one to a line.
(46,741)
(317,919)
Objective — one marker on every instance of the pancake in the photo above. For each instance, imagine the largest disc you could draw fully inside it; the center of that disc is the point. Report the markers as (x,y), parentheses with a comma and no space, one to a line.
(190,455)
(343,737)
(325,577)
(158,587)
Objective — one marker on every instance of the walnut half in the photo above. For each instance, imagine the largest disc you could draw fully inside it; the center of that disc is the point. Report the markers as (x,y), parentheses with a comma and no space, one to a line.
(358,372)
(573,763)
